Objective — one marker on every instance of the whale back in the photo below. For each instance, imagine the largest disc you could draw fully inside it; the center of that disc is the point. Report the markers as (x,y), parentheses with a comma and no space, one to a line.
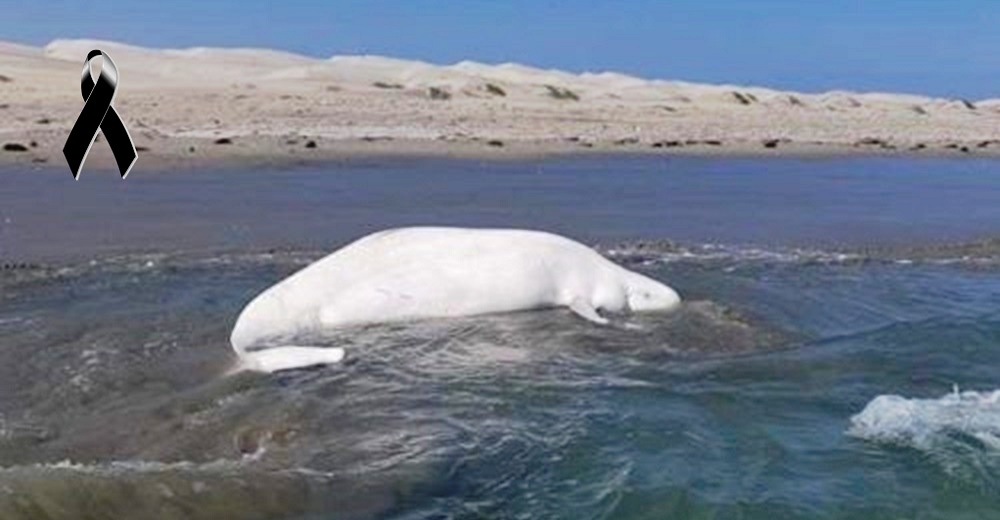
(429,272)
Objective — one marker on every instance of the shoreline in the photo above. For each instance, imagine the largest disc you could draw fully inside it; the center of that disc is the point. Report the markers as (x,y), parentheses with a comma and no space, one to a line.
(44,150)
(974,252)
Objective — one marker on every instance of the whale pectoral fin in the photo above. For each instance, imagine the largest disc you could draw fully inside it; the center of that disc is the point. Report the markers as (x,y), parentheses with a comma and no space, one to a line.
(587,311)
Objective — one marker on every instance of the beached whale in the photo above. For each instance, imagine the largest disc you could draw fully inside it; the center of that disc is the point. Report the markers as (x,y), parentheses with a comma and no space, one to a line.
(433,272)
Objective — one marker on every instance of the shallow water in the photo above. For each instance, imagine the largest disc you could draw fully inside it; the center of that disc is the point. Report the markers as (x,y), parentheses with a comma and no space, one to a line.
(812,288)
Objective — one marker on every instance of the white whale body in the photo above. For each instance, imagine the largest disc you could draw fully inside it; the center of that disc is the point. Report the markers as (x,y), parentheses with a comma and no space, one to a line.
(435,272)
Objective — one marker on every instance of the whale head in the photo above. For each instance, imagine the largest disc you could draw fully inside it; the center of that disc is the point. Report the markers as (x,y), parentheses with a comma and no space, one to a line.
(647,294)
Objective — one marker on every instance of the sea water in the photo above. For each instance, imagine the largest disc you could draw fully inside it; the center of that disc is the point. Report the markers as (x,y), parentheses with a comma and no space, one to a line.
(835,356)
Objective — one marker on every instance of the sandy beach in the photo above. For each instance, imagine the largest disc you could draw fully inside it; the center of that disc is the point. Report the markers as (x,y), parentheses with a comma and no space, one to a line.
(201,105)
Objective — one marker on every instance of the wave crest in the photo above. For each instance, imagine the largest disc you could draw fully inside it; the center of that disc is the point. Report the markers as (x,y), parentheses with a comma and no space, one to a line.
(959,431)
(916,422)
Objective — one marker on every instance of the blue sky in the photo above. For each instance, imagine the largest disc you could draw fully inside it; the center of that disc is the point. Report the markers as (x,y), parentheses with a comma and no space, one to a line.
(941,47)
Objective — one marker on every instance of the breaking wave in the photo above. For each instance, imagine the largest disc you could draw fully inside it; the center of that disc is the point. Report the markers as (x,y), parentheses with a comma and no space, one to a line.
(653,252)
(985,253)
(959,431)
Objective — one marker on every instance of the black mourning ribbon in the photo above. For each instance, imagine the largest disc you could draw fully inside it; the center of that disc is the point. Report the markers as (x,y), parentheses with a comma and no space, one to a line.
(98,115)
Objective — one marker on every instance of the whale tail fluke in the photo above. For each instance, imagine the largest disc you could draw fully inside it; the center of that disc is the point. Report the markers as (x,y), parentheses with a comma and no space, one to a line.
(289,357)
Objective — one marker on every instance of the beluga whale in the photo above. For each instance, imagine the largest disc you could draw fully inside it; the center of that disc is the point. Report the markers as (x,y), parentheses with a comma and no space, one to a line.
(434,272)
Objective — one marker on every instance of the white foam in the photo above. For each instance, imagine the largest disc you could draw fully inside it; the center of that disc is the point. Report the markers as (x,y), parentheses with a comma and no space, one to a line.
(219,467)
(921,423)
(710,252)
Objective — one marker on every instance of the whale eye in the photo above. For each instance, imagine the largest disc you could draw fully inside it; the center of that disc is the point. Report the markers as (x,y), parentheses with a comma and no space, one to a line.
(642,299)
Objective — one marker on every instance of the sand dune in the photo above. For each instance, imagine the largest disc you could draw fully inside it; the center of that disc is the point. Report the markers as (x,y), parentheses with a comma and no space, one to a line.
(273,105)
